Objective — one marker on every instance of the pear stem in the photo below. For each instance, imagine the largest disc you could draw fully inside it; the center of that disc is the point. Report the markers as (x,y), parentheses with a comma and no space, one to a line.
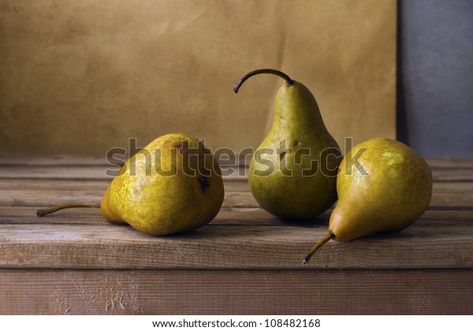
(281,74)
(47,211)
(316,247)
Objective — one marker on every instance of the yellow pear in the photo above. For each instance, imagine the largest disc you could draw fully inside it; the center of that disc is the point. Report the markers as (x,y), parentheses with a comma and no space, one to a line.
(172,185)
(292,173)
(382,186)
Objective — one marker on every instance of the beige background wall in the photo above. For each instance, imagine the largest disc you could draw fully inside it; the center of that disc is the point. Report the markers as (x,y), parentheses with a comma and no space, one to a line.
(83,76)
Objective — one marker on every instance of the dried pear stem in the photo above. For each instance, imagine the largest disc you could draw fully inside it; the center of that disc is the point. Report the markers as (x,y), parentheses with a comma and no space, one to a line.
(319,244)
(281,74)
(47,211)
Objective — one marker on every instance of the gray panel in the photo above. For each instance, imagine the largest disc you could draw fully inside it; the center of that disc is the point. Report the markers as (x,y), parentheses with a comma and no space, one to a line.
(435,100)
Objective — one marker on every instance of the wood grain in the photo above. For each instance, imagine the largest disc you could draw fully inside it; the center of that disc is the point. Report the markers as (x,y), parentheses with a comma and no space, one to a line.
(53,184)
(452,201)
(236,199)
(231,185)
(50,160)
(244,262)
(98,172)
(452,163)
(226,216)
(423,245)
(236,292)
(60,160)
(452,175)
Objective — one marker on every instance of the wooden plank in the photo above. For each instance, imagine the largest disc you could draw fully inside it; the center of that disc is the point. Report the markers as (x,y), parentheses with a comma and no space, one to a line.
(445,162)
(91,216)
(50,160)
(452,175)
(27,184)
(61,160)
(232,199)
(47,198)
(462,201)
(90,184)
(98,172)
(236,292)
(447,217)
(463,190)
(226,216)
(445,196)
(231,185)
(457,188)
(54,184)
(424,245)
(440,200)
(87,172)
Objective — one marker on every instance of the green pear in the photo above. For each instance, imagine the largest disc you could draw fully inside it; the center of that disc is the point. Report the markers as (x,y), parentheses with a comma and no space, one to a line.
(292,174)
(172,185)
(382,186)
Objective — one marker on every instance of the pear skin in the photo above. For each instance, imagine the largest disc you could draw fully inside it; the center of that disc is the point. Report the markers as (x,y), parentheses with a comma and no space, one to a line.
(292,174)
(172,185)
(106,210)
(393,193)
(382,186)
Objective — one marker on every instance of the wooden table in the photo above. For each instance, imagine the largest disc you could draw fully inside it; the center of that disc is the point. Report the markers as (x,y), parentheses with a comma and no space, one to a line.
(244,262)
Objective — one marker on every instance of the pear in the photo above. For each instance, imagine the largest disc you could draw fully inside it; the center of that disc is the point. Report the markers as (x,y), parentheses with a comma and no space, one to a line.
(382,186)
(292,174)
(172,185)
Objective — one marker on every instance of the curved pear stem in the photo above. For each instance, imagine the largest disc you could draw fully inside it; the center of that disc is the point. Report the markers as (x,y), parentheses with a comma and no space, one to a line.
(316,247)
(281,74)
(47,211)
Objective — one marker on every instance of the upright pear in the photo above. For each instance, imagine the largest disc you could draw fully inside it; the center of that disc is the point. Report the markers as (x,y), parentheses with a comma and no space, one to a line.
(172,185)
(292,173)
(382,186)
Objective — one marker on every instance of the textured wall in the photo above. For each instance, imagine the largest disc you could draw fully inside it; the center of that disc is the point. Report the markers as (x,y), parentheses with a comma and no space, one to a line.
(436,76)
(83,76)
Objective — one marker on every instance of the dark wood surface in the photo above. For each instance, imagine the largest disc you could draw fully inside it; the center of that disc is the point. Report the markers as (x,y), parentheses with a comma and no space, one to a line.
(236,291)
(245,261)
